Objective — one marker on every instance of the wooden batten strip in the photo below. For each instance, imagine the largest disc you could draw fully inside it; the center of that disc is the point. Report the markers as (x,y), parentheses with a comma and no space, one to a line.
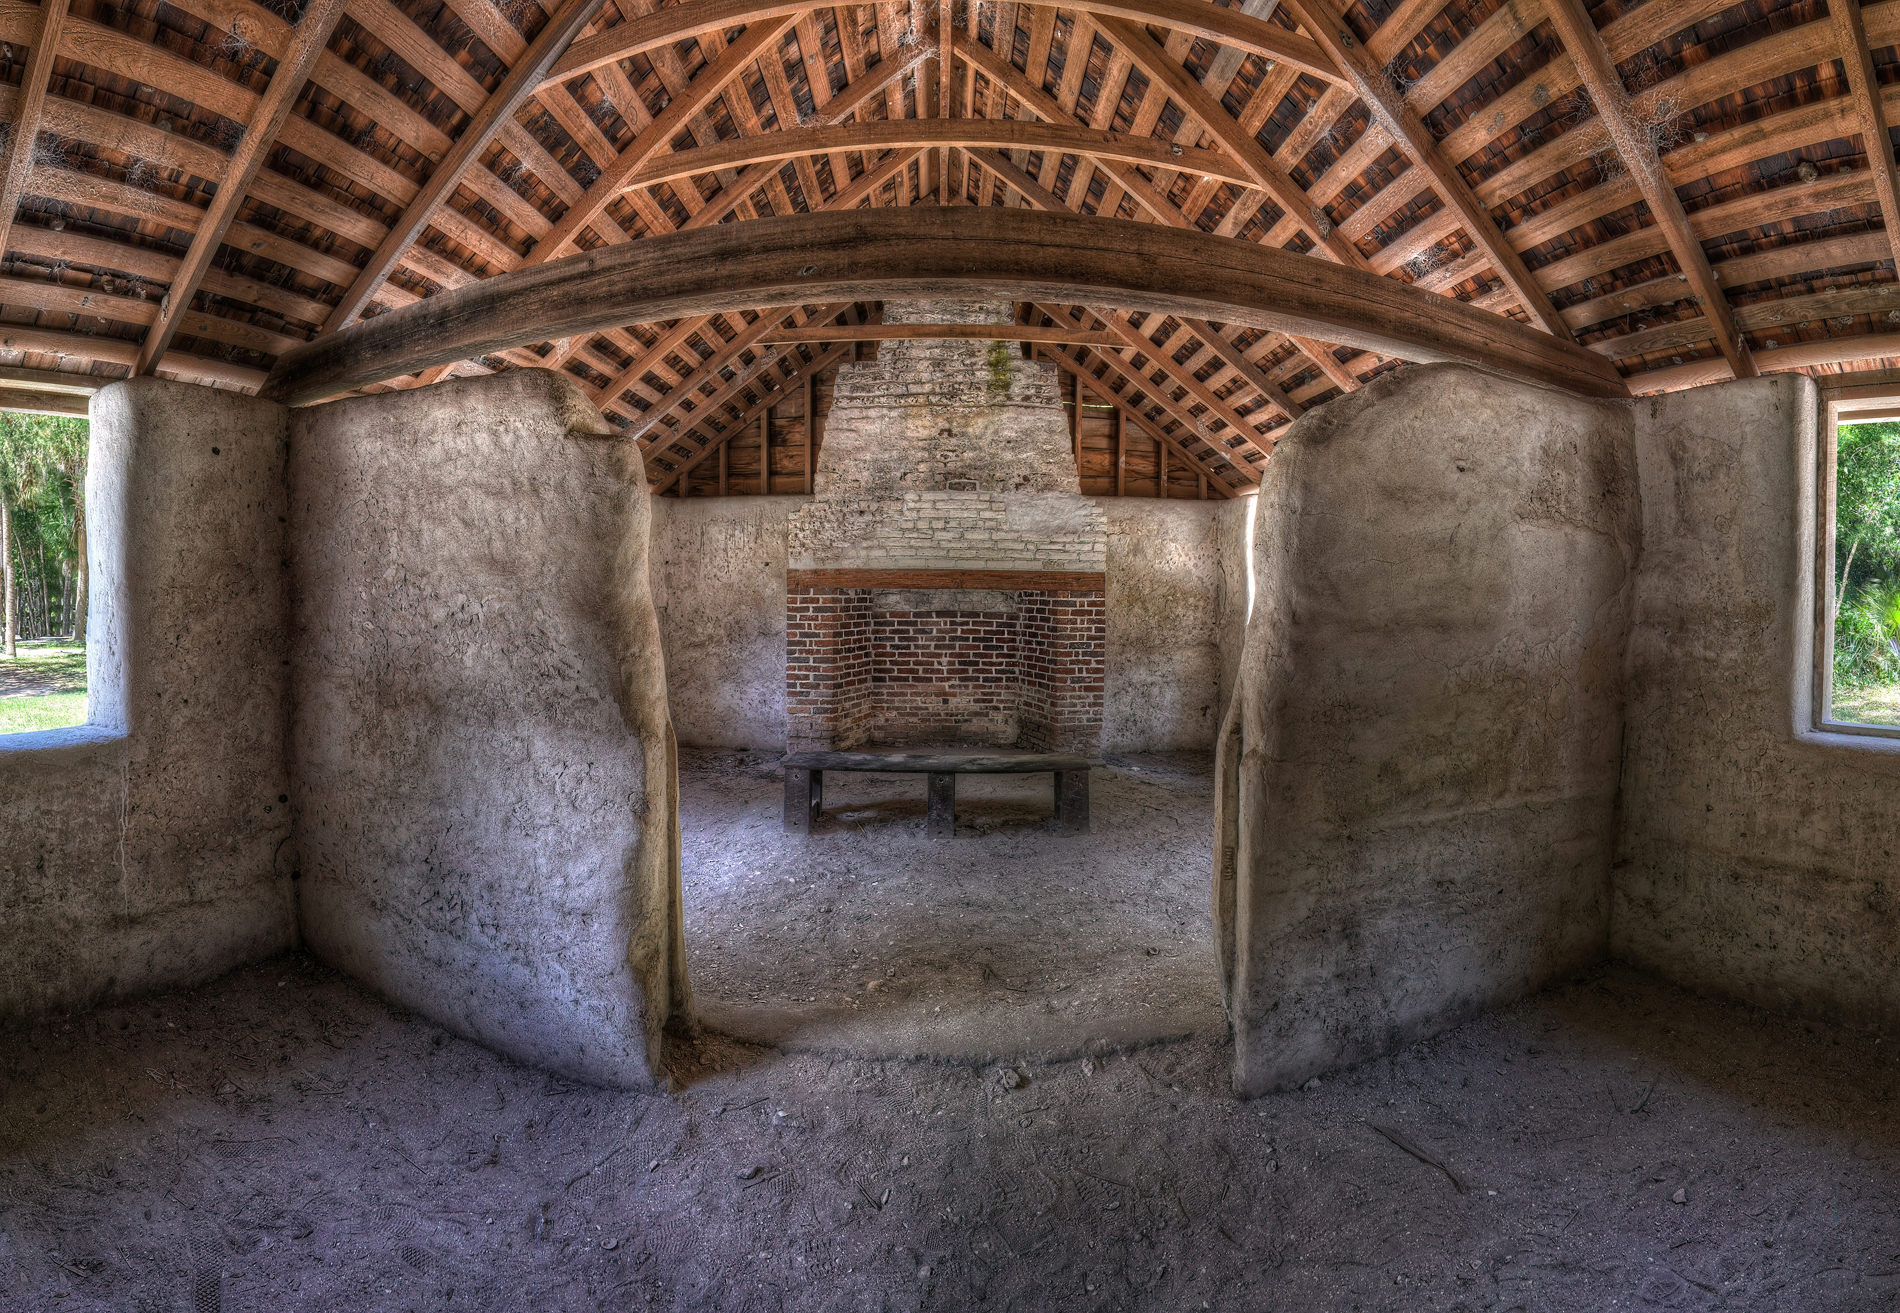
(23,137)
(287,84)
(1579,36)
(497,109)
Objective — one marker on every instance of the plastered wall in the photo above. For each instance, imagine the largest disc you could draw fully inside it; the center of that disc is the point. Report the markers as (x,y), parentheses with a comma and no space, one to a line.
(1756,857)
(1418,772)
(1176,612)
(485,786)
(148,848)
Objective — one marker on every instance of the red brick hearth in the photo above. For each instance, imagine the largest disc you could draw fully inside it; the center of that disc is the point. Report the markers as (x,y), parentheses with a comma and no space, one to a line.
(1007,657)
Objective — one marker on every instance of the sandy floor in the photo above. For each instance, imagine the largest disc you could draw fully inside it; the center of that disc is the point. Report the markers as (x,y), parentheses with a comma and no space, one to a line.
(282,1141)
(1008,940)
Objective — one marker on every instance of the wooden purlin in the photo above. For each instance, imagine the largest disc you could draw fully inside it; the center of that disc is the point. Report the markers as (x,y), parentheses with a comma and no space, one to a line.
(1857,59)
(772,397)
(1639,155)
(320,17)
(1408,130)
(493,112)
(746,339)
(1075,360)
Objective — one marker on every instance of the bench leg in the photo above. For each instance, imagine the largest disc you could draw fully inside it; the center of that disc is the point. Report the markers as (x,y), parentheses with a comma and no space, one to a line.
(804,798)
(941,806)
(1072,801)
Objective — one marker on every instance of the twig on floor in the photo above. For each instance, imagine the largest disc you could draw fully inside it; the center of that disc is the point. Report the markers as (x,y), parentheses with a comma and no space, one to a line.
(1398,1138)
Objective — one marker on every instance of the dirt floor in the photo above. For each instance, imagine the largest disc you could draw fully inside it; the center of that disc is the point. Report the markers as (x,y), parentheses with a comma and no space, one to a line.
(281,1140)
(1009,940)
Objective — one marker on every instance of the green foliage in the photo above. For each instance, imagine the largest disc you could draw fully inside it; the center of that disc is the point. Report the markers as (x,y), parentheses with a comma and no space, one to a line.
(53,711)
(1865,632)
(1866,503)
(42,480)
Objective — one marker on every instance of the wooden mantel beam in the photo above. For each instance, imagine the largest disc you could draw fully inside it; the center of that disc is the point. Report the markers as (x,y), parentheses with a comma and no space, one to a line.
(881,253)
(1579,35)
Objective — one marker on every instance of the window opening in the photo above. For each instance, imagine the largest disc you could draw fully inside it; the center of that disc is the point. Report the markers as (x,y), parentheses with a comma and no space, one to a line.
(43,574)
(1860,669)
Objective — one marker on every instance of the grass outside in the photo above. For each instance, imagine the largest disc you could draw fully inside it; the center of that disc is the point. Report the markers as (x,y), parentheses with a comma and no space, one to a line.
(1867,704)
(44,688)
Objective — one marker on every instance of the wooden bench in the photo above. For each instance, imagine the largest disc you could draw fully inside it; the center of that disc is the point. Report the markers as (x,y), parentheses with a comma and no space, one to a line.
(805,781)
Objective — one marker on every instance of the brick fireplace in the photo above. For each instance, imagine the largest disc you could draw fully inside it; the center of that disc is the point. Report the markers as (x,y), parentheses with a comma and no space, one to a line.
(946,581)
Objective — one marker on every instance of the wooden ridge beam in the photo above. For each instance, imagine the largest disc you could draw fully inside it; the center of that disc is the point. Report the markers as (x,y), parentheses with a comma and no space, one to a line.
(1579,35)
(484,123)
(24,134)
(1403,124)
(772,397)
(878,253)
(1229,27)
(260,135)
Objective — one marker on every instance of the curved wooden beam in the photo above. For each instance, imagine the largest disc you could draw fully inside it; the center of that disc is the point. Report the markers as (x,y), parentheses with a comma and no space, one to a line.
(894,134)
(873,254)
(1230,27)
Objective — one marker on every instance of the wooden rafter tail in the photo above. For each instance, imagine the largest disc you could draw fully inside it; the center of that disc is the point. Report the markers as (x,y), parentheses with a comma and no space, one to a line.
(1323,20)
(1579,35)
(24,134)
(1858,58)
(780,390)
(286,85)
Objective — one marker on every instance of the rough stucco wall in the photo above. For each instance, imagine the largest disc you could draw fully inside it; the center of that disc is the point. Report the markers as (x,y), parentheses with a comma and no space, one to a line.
(1233,522)
(719,587)
(1417,776)
(143,851)
(486,797)
(1167,602)
(1756,857)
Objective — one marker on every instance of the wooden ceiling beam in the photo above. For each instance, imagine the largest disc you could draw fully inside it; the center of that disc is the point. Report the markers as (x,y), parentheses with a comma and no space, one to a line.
(1076,360)
(1403,124)
(1639,154)
(23,136)
(1857,58)
(779,392)
(1262,170)
(617,174)
(896,134)
(663,27)
(1136,340)
(937,333)
(747,338)
(484,123)
(260,136)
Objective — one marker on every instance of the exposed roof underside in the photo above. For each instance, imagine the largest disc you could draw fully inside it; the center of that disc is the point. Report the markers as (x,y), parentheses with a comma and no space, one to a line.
(1681,186)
